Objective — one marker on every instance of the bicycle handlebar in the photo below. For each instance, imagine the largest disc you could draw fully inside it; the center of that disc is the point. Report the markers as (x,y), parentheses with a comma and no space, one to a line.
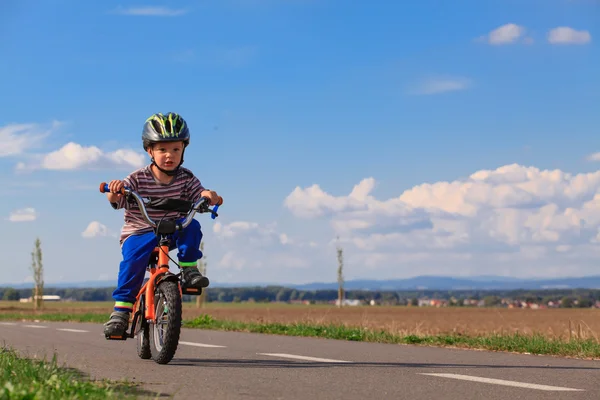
(199,206)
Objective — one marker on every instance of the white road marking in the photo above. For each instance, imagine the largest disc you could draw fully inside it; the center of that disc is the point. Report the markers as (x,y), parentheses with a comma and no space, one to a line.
(283,355)
(200,344)
(35,326)
(7,323)
(505,383)
(70,330)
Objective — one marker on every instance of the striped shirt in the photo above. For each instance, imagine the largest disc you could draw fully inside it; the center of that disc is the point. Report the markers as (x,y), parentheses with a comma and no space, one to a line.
(185,185)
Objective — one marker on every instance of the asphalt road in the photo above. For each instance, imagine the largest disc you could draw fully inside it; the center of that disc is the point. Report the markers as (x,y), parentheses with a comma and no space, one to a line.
(231,365)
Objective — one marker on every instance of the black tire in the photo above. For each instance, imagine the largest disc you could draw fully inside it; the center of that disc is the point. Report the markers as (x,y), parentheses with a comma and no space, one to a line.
(143,342)
(164,334)
(143,335)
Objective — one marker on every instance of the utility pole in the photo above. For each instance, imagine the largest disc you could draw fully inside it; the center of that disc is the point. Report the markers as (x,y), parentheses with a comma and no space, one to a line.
(340,275)
(38,275)
(202,268)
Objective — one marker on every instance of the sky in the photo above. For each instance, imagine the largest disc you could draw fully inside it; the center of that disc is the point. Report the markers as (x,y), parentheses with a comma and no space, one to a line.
(424,138)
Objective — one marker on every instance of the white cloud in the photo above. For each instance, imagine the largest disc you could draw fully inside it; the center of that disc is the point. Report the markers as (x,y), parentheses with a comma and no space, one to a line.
(234,228)
(150,11)
(75,156)
(18,138)
(252,233)
(314,202)
(516,217)
(23,215)
(594,157)
(567,35)
(231,260)
(284,239)
(441,85)
(97,229)
(259,247)
(506,34)
(513,220)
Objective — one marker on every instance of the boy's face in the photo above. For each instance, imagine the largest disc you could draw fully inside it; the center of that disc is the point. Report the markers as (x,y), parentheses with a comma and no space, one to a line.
(167,155)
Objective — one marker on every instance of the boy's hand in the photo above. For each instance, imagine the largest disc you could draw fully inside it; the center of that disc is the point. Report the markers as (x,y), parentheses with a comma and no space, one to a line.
(211,195)
(116,186)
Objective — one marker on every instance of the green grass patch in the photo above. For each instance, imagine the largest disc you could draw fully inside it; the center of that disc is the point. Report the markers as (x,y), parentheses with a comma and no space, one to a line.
(57,317)
(12,304)
(22,378)
(534,344)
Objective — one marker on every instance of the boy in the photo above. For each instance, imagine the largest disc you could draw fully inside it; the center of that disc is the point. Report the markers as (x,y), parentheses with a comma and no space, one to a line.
(165,138)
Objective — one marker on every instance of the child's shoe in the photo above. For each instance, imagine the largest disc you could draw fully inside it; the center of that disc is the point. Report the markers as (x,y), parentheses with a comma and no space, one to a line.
(116,327)
(193,278)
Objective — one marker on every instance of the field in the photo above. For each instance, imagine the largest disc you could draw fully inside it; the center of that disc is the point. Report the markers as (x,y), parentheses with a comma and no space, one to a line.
(552,323)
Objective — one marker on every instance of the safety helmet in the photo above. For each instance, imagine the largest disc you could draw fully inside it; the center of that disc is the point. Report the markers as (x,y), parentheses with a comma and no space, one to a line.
(165,128)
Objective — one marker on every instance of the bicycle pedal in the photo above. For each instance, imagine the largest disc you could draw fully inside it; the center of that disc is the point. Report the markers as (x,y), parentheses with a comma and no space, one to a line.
(194,291)
(116,337)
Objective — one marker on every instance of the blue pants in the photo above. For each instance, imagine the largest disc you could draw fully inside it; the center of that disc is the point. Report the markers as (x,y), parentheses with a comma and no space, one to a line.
(136,251)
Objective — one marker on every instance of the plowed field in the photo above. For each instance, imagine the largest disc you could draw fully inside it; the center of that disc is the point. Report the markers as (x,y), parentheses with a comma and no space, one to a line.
(565,323)
(582,323)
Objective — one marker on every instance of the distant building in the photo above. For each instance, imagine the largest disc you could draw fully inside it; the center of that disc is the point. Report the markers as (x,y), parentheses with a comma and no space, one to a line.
(46,297)
(347,302)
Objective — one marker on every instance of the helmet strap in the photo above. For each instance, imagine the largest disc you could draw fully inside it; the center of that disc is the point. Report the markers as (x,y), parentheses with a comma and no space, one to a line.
(164,171)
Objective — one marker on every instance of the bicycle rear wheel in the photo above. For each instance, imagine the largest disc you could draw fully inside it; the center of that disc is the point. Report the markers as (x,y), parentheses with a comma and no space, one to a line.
(164,333)
(142,332)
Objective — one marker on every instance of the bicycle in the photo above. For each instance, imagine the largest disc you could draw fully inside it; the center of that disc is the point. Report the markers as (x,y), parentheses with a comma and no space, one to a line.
(163,288)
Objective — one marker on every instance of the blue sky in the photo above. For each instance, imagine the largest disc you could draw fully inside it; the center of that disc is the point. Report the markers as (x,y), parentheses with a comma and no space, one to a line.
(284,95)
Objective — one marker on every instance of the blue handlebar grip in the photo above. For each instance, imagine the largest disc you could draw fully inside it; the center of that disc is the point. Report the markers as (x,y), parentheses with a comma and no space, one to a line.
(215,208)
(106,189)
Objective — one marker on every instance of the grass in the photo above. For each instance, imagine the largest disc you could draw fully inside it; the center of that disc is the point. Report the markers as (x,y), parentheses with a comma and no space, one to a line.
(85,317)
(521,343)
(23,378)
(14,305)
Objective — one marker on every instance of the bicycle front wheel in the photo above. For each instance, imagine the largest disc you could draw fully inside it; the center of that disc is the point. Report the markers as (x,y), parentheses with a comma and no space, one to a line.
(164,333)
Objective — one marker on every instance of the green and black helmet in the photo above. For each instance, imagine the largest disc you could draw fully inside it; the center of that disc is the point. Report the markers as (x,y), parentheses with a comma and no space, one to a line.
(166,128)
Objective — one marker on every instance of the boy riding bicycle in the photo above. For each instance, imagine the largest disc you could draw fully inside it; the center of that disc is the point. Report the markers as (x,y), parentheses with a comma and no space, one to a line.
(165,138)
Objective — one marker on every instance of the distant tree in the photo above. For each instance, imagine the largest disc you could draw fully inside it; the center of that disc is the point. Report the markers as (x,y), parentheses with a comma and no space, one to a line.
(491,301)
(38,275)
(11,294)
(585,302)
(389,298)
(281,295)
(566,302)
(547,299)
(294,295)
